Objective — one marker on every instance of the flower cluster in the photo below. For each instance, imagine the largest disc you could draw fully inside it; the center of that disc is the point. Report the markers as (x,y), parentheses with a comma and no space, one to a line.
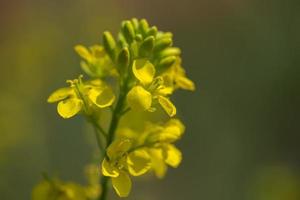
(137,73)
(135,153)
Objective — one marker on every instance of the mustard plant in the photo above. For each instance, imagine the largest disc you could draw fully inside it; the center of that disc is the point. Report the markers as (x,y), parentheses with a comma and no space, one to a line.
(135,72)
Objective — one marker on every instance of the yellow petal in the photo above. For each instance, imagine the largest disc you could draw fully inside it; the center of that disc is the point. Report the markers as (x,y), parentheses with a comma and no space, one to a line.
(138,162)
(174,155)
(118,147)
(139,99)
(122,184)
(143,70)
(157,162)
(103,97)
(167,105)
(173,131)
(168,85)
(83,52)
(60,94)
(165,91)
(185,83)
(69,107)
(175,123)
(108,169)
(168,136)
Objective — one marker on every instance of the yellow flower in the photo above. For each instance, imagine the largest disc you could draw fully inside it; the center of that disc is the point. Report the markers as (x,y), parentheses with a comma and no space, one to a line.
(163,155)
(162,151)
(121,162)
(81,96)
(175,78)
(158,141)
(96,61)
(149,90)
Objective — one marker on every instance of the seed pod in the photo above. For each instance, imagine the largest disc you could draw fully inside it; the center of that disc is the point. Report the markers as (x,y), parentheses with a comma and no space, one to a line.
(109,44)
(128,31)
(166,62)
(146,47)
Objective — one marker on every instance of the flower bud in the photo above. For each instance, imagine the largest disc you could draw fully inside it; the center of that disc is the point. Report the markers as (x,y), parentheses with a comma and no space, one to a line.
(166,62)
(135,23)
(152,31)
(123,58)
(128,31)
(171,51)
(144,26)
(138,37)
(109,44)
(162,44)
(147,46)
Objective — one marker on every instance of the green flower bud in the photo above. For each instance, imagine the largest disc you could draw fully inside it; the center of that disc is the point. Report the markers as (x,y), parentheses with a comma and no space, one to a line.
(123,58)
(166,62)
(171,51)
(138,37)
(161,35)
(147,46)
(162,44)
(109,44)
(135,23)
(144,26)
(152,31)
(134,49)
(128,31)
(122,41)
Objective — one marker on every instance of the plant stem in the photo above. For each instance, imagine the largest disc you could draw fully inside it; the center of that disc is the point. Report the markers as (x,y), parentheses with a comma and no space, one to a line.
(116,115)
(98,127)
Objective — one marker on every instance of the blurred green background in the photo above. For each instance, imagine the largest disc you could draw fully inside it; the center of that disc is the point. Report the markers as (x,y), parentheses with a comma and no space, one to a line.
(242,138)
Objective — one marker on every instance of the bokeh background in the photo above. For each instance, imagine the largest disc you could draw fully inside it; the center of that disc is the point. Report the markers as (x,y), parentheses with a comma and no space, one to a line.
(242,139)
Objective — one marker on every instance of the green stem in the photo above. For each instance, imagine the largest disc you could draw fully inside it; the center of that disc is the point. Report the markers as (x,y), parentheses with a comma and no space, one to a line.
(99,128)
(116,116)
